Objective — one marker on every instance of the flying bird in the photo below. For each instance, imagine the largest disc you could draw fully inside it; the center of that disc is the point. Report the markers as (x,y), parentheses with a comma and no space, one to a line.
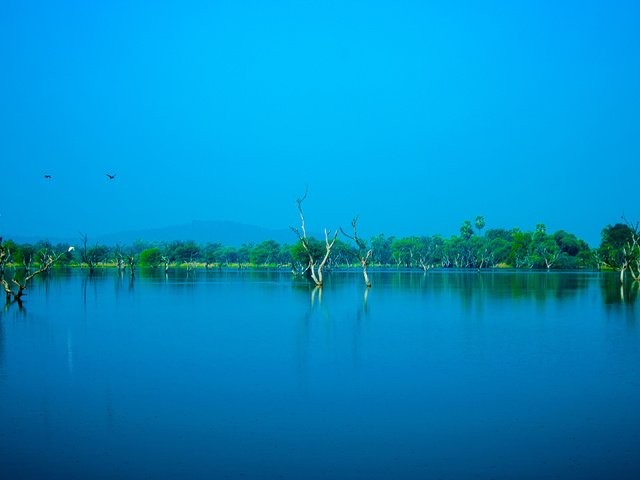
(47,176)
(111,177)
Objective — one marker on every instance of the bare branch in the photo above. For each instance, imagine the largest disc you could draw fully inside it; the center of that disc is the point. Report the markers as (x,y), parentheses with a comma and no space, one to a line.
(364,257)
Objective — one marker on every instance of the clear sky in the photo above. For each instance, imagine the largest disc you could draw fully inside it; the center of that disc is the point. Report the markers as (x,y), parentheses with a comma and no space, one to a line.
(416,115)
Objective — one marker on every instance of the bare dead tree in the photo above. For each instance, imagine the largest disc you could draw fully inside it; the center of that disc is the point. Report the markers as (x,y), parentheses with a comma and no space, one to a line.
(131,261)
(363,253)
(166,261)
(314,268)
(120,258)
(87,255)
(48,260)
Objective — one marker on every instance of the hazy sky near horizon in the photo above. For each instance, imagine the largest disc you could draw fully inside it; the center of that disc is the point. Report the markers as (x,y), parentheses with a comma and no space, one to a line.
(414,115)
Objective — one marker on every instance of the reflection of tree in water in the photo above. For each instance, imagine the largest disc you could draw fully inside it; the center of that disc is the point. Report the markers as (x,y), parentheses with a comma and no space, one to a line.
(472,287)
(319,326)
(613,292)
(91,280)
(361,314)
(15,308)
(1,341)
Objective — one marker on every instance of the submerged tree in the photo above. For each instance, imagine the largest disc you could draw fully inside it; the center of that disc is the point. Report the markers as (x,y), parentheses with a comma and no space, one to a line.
(48,259)
(91,256)
(314,269)
(131,260)
(364,253)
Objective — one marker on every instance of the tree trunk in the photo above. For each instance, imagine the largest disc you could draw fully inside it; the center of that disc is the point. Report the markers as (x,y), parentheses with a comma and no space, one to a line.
(364,273)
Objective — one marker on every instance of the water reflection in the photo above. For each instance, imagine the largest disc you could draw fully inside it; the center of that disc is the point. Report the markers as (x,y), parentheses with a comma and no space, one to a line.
(1,344)
(247,374)
(613,292)
(538,286)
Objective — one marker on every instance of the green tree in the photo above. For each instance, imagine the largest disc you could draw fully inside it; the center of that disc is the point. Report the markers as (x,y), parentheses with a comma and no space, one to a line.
(343,254)
(226,255)
(481,253)
(545,250)
(186,252)
(403,250)
(67,256)
(284,255)
(466,230)
(428,251)
(264,253)
(151,257)
(520,253)
(620,247)
(499,250)
(574,253)
(212,253)
(243,253)
(381,253)
(98,253)
(24,254)
(300,255)
(139,245)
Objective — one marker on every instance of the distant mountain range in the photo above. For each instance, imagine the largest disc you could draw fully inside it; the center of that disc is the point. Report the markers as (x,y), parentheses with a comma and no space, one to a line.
(225,232)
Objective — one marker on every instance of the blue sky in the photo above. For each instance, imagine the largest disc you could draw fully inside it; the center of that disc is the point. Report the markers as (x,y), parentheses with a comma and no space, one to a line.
(414,115)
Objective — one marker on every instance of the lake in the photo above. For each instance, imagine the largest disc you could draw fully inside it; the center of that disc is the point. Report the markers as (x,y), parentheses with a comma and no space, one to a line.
(255,375)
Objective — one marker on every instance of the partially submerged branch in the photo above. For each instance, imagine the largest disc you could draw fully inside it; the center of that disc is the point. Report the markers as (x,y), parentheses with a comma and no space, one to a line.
(313,269)
(363,253)
(48,260)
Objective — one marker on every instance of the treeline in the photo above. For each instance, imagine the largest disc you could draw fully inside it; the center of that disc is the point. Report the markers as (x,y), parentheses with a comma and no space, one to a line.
(473,248)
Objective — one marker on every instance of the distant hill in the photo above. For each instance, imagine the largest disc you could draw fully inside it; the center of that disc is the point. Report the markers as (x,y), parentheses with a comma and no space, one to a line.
(225,232)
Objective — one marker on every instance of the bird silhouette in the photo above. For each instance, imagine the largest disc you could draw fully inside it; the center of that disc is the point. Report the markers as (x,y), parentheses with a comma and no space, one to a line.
(111,177)
(47,176)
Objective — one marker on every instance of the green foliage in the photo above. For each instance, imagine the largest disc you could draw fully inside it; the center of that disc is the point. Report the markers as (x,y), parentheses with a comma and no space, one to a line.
(619,246)
(182,252)
(244,252)
(428,251)
(67,256)
(227,255)
(151,257)
(284,255)
(139,245)
(264,253)
(346,254)
(316,248)
(381,250)
(99,253)
(496,247)
(209,253)
(24,255)
(520,251)
(403,250)
(613,249)
(500,233)
(466,230)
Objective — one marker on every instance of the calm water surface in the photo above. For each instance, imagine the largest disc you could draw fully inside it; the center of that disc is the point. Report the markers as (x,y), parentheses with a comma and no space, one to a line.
(255,375)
